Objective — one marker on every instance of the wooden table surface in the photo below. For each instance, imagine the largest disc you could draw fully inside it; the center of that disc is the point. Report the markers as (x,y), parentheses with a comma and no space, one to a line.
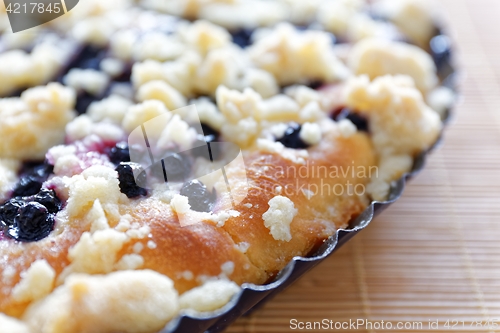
(434,257)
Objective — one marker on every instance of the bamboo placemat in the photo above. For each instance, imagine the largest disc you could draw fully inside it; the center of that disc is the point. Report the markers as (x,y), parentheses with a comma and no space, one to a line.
(435,254)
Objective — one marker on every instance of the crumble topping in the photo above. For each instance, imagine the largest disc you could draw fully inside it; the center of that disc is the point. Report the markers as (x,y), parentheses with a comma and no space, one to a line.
(112,109)
(248,14)
(187,275)
(130,262)
(12,325)
(112,67)
(376,57)
(227,268)
(212,295)
(180,204)
(36,283)
(97,182)
(8,274)
(94,253)
(151,245)
(294,155)
(19,69)
(141,113)
(400,121)
(204,36)
(178,73)
(261,81)
(293,56)
(83,127)
(336,15)
(310,133)
(222,66)
(137,248)
(79,304)
(162,91)
(389,168)
(346,128)
(249,116)
(441,99)
(415,18)
(242,247)
(89,80)
(155,46)
(279,216)
(208,113)
(35,122)
(189,8)
(303,95)
(8,176)
(97,217)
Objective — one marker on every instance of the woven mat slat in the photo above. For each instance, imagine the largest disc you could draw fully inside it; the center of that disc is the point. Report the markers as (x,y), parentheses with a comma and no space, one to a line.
(435,254)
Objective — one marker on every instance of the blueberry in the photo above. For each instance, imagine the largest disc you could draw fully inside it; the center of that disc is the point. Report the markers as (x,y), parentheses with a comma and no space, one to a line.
(31,181)
(291,138)
(30,218)
(83,102)
(128,185)
(200,198)
(32,223)
(49,199)
(242,37)
(316,84)
(119,153)
(358,120)
(10,210)
(89,58)
(28,185)
(207,151)
(210,134)
(177,167)
(125,76)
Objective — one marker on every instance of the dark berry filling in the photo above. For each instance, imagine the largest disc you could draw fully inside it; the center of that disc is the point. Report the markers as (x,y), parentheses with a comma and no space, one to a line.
(358,120)
(291,138)
(200,198)
(32,223)
(9,211)
(243,37)
(49,199)
(176,167)
(125,76)
(128,184)
(84,100)
(32,179)
(207,151)
(31,218)
(210,134)
(119,153)
(315,84)
(89,58)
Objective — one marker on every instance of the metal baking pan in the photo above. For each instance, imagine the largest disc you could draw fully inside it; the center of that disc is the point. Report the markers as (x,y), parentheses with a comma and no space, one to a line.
(251,296)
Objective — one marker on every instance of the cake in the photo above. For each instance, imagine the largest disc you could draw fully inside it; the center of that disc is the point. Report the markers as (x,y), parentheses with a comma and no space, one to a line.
(268,126)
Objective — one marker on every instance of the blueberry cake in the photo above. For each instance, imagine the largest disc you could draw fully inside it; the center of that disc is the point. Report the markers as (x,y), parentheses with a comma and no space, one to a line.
(327,101)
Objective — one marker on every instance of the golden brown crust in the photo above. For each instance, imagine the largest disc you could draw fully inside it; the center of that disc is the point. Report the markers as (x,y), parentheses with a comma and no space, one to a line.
(199,248)
(318,217)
